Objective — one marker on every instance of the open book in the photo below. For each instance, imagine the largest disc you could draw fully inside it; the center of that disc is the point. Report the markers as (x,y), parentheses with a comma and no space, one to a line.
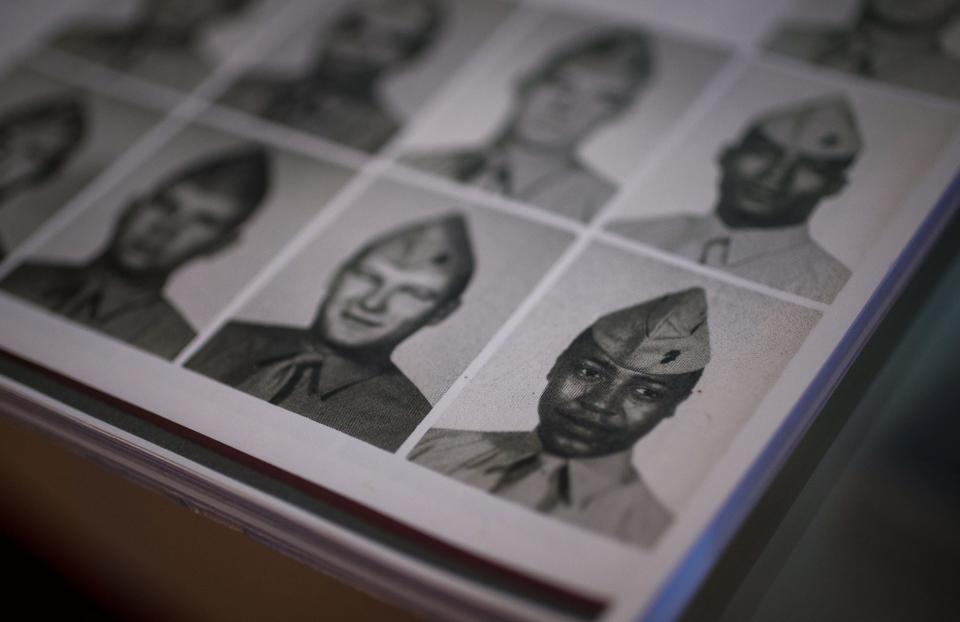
(499,308)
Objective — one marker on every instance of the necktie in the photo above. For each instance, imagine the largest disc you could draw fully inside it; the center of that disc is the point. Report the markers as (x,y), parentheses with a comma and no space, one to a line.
(492,172)
(851,54)
(715,251)
(541,484)
(78,301)
(280,376)
(558,489)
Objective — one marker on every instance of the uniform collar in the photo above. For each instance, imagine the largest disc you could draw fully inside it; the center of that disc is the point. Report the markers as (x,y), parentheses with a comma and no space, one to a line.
(338,371)
(588,478)
(751,244)
(103,293)
(528,171)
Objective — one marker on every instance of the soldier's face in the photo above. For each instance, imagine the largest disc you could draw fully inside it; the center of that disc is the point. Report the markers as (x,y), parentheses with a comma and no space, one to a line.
(766,182)
(909,13)
(377,303)
(593,407)
(375,36)
(161,231)
(27,148)
(558,110)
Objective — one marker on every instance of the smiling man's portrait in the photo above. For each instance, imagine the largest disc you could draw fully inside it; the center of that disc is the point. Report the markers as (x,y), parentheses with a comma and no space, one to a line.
(612,385)
(771,181)
(534,155)
(338,370)
(37,140)
(337,96)
(195,212)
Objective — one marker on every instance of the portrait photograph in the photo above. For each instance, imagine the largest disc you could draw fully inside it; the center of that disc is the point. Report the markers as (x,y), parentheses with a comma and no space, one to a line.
(561,116)
(171,43)
(155,259)
(613,398)
(912,45)
(357,71)
(788,180)
(54,140)
(367,327)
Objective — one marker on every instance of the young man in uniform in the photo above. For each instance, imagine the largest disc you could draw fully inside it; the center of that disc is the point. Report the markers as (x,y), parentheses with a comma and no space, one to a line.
(338,371)
(534,156)
(610,388)
(194,213)
(772,180)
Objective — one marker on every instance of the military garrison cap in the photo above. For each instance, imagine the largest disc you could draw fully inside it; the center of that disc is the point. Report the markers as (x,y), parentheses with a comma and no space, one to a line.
(667,335)
(441,244)
(820,128)
(240,174)
(622,51)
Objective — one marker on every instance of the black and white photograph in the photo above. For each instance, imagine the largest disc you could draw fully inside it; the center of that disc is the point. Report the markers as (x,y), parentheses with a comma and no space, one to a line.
(611,401)
(376,318)
(155,260)
(788,181)
(54,140)
(357,72)
(562,117)
(914,45)
(171,43)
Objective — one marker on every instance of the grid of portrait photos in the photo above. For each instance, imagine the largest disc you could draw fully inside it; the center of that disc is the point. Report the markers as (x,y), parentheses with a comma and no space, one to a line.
(556,257)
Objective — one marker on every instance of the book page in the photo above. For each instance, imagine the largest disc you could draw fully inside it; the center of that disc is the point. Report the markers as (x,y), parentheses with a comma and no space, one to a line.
(554,283)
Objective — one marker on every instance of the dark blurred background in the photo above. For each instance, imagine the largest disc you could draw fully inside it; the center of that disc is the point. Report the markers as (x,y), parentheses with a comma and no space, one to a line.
(862,523)
(79,541)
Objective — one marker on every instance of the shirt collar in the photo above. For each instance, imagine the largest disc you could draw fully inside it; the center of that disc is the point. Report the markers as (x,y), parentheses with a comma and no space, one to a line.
(588,477)
(527,171)
(749,244)
(116,292)
(339,372)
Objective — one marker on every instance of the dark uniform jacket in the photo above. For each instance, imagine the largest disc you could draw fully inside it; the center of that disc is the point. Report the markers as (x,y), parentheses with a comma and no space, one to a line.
(97,297)
(286,366)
